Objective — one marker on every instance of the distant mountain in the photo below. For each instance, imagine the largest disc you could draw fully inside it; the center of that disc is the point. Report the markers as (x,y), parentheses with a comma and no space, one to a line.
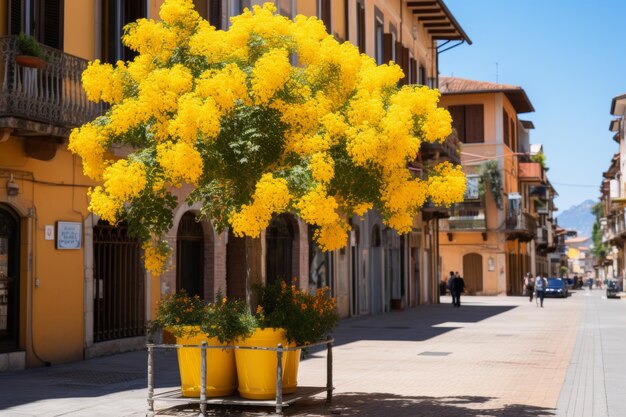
(578,218)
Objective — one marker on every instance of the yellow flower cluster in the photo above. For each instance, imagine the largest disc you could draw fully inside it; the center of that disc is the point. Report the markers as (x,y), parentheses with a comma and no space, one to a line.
(89,143)
(271,195)
(103,82)
(270,73)
(123,181)
(155,255)
(402,196)
(447,185)
(322,167)
(180,161)
(337,112)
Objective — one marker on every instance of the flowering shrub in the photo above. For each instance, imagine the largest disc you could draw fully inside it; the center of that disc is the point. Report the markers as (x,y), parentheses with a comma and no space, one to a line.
(305,317)
(228,319)
(177,312)
(228,113)
(225,319)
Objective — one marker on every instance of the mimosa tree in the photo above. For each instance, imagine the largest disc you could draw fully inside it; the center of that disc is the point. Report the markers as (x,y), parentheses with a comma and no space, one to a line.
(273,115)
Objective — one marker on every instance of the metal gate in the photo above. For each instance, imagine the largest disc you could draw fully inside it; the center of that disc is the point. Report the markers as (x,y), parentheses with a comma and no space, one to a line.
(119,288)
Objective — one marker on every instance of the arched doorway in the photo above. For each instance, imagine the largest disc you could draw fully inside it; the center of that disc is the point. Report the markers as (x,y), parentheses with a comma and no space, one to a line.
(9,279)
(473,272)
(394,290)
(190,256)
(279,249)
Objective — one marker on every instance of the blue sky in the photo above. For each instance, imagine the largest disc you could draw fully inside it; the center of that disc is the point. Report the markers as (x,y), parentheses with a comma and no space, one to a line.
(569,57)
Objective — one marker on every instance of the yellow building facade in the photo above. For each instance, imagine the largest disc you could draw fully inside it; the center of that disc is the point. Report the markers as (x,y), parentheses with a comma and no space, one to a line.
(73,287)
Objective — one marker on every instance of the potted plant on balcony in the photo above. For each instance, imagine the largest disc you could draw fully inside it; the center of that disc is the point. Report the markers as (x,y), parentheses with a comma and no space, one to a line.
(291,317)
(30,53)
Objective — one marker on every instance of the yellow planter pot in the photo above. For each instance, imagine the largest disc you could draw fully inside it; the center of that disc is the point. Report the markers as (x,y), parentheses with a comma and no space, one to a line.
(256,369)
(220,373)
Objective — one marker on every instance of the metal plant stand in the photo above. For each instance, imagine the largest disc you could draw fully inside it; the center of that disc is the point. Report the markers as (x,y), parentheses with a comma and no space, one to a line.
(175,396)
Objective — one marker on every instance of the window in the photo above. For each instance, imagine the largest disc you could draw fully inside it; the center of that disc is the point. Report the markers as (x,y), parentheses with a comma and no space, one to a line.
(285,8)
(320,266)
(471,191)
(468,122)
(115,15)
(379,35)
(422,75)
(506,133)
(324,13)
(238,6)
(45,20)
(360,26)
(210,10)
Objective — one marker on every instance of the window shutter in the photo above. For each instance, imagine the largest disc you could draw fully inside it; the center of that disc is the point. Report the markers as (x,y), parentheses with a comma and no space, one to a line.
(399,59)
(458,121)
(505,128)
(406,65)
(215,13)
(513,136)
(413,71)
(325,15)
(422,76)
(15,17)
(360,11)
(387,48)
(52,24)
(474,124)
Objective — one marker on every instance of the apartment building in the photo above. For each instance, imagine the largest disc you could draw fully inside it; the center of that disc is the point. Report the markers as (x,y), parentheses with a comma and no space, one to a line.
(491,238)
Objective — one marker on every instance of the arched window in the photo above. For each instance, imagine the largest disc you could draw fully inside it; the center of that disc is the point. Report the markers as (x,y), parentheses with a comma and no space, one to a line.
(279,245)
(190,256)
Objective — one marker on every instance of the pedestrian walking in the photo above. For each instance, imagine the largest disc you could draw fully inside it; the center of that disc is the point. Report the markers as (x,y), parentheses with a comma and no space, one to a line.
(540,288)
(450,285)
(459,287)
(529,286)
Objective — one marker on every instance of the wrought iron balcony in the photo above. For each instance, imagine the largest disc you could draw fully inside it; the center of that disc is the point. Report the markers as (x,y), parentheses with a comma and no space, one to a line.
(44,102)
(466,216)
(521,226)
(442,151)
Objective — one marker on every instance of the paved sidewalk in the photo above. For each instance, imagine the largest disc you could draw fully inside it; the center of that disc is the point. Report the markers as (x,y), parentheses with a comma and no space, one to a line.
(494,356)
(595,381)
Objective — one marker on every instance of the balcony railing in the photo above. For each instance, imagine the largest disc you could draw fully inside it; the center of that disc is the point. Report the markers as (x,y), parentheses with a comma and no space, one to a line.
(541,237)
(442,151)
(522,226)
(468,216)
(47,101)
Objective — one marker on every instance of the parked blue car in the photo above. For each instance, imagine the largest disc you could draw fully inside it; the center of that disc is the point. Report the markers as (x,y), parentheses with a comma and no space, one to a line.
(556,288)
(612,289)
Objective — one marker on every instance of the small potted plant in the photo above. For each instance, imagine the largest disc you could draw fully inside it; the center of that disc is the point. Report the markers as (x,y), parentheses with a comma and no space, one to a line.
(30,52)
(291,317)
(192,321)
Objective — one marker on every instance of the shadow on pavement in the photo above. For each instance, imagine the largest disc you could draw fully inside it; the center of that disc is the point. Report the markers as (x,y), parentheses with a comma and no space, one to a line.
(380,404)
(91,378)
(416,324)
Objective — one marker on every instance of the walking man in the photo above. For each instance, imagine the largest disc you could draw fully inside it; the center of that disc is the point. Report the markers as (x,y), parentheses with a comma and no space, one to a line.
(450,286)
(540,288)
(459,287)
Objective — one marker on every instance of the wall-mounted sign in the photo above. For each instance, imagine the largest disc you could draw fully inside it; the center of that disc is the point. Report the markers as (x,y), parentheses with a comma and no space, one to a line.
(49,232)
(69,235)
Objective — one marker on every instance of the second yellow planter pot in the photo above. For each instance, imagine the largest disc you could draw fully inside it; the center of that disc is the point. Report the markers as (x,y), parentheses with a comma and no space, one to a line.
(256,369)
